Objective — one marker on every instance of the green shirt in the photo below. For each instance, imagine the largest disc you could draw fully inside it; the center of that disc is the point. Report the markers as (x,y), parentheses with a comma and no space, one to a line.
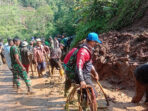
(13,51)
(47,43)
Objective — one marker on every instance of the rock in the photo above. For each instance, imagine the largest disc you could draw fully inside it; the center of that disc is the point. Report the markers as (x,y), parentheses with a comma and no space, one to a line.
(119,55)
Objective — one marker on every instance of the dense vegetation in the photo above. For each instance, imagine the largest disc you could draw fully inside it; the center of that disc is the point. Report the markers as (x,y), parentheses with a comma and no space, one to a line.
(41,18)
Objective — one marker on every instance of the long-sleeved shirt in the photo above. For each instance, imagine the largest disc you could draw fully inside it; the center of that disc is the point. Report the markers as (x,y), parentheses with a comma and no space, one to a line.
(84,63)
(56,44)
(66,59)
(7,55)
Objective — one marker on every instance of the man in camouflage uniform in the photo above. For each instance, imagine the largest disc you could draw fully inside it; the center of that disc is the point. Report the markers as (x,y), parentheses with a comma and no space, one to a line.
(17,66)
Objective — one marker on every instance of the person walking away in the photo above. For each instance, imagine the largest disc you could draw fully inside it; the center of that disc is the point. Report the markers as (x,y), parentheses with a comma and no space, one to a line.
(56,43)
(7,56)
(141,83)
(31,58)
(24,51)
(55,59)
(78,64)
(17,66)
(39,57)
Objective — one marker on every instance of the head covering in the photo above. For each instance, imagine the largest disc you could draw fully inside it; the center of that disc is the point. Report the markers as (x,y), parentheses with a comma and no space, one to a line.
(93,37)
(38,40)
(24,43)
(50,37)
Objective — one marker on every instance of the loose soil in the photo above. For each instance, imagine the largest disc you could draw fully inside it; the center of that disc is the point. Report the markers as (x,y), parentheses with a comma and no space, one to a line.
(49,95)
(122,51)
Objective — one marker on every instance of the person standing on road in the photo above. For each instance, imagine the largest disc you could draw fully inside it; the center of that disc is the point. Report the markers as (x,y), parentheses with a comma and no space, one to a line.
(31,58)
(25,55)
(55,59)
(7,56)
(83,67)
(56,43)
(17,66)
(51,43)
(39,57)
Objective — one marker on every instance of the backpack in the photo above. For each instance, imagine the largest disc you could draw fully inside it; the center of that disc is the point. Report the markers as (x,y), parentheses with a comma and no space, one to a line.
(24,56)
(70,67)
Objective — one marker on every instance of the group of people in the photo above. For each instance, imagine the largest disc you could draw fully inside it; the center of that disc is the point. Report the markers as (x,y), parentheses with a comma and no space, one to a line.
(79,68)
(77,64)
(20,56)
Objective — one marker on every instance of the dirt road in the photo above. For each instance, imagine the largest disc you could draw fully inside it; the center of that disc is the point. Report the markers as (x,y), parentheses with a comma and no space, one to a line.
(49,95)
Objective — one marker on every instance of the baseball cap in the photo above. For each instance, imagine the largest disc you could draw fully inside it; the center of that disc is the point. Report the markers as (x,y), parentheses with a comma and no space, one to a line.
(93,37)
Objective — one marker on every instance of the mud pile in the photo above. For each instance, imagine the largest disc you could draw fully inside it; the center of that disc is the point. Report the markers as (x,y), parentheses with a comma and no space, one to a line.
(118,56)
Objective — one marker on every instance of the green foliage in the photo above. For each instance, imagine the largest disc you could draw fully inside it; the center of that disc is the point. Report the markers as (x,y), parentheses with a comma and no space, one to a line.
(104,15)
(94,17)
(126,13)
(25,21)
(10,21)
(42,18)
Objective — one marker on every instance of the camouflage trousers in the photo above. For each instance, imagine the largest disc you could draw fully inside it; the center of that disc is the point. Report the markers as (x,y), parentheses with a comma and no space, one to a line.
(19,73)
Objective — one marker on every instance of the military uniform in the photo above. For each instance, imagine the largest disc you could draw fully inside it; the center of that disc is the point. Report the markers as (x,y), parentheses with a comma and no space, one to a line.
(17,69)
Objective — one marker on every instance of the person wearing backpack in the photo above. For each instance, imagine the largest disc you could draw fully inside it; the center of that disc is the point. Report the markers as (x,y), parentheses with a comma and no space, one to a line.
(39,57)
(24,51)
(78,64)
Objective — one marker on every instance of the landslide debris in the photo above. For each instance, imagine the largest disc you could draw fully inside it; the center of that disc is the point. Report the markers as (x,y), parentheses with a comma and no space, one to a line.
(118,56)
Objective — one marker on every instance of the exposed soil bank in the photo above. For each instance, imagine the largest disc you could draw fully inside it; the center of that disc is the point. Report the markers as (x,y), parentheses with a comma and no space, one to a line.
(121,52)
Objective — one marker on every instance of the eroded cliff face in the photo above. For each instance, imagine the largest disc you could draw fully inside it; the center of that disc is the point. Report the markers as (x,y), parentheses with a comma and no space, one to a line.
(118,56)
(122,51)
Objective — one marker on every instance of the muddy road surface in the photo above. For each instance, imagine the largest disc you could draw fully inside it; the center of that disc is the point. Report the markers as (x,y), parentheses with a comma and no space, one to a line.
(49,95)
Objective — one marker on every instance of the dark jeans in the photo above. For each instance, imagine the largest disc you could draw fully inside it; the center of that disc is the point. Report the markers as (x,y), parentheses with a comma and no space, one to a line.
(41,66)
(55,63)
